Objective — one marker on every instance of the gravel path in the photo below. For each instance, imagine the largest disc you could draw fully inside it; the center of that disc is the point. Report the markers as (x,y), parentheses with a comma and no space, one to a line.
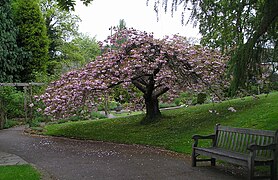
(67,159)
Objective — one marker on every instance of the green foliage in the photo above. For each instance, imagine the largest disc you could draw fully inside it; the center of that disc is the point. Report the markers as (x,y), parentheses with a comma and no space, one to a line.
(68,49)
(34,123)
(97,115)
(175,130)
(186,98)
(88,47)
(111,105)
(10,54)
(201,98)
(13,102)
(13,107)
(93,115)
(32,38)
(69,4)
(127,113)
(19,172)
(61,26)
(79,51)
(11,123)
(166,105)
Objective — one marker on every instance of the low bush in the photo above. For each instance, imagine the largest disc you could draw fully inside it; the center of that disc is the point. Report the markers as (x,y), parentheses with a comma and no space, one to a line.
(13,101)
(97,115)
(11,123)
(166,105)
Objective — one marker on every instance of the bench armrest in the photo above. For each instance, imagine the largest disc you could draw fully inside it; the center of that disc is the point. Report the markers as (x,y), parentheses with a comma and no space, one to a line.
(254,147)
(197,137)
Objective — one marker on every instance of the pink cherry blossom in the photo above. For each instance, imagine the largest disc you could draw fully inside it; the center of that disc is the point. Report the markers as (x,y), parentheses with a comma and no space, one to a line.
(154,66)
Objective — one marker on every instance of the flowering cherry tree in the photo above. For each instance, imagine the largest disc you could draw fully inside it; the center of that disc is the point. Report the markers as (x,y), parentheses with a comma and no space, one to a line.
(134,58)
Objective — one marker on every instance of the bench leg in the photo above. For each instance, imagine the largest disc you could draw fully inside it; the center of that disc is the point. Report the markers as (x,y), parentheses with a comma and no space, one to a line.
(193,158)
(250,170)
(212,161)
(273,171)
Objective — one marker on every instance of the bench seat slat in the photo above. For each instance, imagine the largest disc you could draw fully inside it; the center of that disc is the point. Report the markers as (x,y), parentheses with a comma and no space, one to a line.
(230,154)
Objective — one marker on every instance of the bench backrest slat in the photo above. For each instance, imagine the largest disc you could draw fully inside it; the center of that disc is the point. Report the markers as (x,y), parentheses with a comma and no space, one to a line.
(238,142)
(238,139)
(247,131)
(219,141)
(242,142)
(229,144)
(260,142)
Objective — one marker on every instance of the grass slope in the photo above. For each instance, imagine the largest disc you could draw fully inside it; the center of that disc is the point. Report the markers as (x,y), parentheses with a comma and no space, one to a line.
(176,128)
(19,172)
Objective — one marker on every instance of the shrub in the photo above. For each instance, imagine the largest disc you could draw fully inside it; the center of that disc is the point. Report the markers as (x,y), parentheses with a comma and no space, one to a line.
(97,115)
(111,105)
(11,123)
(201,98)
(13,102)
(72,118)
(166,105)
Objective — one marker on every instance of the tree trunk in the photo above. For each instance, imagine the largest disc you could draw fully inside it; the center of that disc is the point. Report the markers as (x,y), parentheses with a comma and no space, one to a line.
(151,93)
(152,110)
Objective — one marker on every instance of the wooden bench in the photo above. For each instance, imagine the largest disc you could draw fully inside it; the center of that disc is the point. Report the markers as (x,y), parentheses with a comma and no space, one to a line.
(246,147)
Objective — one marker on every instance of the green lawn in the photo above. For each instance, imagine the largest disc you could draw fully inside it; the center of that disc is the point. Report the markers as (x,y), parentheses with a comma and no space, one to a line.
(176,128)
(19,172)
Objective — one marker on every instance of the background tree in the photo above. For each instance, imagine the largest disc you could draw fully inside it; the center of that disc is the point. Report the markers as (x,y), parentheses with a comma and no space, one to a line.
(122,24)
(10,54)
(32,38)
(151,65)
(88,46)
(241,28)
(62,27)
(79,51)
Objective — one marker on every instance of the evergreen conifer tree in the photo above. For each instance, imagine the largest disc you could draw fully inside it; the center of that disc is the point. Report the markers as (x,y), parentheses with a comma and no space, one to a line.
(10,53)
(32,38)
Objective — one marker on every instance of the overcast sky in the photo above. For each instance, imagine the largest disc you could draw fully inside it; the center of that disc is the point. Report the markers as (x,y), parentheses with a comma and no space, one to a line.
(102,14)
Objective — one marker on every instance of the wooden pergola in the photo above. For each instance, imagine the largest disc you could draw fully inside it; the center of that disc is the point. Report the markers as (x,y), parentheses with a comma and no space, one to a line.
(28,97)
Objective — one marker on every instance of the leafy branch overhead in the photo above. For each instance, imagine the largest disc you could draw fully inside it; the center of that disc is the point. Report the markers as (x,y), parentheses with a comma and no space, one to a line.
(69,4)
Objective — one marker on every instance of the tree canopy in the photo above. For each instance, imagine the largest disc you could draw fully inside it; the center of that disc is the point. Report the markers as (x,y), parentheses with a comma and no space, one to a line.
(79,51)
(61,25)
(137,59)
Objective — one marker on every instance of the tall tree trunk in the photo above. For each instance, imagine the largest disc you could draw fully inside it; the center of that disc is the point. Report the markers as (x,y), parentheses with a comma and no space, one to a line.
(152,109)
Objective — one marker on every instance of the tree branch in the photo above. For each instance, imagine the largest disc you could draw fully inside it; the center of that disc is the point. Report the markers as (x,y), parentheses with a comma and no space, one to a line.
(159,92)
(141,87)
